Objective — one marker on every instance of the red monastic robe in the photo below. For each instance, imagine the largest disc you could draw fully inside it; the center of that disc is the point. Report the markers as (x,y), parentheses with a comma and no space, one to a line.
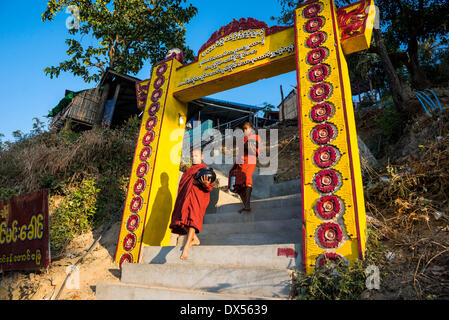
(191,202)
(245,164)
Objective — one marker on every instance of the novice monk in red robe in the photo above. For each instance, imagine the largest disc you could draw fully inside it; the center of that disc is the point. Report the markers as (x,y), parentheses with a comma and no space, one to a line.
(191,203)
(245,165)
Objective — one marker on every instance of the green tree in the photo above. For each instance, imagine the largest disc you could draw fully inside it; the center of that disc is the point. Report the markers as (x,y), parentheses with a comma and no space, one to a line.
(409,22)
(126,32)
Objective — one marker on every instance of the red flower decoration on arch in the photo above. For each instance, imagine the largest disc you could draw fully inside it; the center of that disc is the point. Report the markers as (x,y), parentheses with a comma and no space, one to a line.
(322,112)
(328,207)
(136,204)
(159,82)
(320,92)
(319,73)
(129,242)
(142,170)
(156,95)
(317,55)
(328,257)
(154,108)
(326,156)
(145,154)
(324,133)
(312,10)
(161,69)
(140,185)
(314,24)
(133,223)
(126,258)
(148,138)
(151,123)
(327,181)
(316,39)
(330,235)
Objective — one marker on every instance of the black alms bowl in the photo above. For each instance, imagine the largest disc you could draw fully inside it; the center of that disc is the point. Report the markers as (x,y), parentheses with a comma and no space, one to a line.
(207,172)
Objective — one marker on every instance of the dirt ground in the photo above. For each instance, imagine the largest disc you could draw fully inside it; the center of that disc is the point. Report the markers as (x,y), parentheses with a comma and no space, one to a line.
(288,152)
(96,267)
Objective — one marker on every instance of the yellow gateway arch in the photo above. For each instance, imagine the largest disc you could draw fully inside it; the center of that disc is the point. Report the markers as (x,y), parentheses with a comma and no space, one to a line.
(333,209)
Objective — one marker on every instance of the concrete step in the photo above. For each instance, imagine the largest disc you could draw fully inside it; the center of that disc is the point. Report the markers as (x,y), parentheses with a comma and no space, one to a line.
(262,204)
(286,256)
(126,291)
(284,213)
(270,226)
(250,239)
(272,283)
(220,198)
(285,188)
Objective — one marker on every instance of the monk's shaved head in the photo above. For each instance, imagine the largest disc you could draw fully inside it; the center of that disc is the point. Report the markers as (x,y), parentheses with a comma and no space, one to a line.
(197,156)
(247,125)
(247,128)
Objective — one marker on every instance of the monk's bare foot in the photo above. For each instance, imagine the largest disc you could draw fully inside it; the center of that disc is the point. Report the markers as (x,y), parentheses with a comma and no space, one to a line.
(196,241)
(185,255)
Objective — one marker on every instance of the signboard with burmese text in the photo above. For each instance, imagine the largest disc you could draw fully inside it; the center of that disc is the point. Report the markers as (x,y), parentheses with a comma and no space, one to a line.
(241,52)
(24,232)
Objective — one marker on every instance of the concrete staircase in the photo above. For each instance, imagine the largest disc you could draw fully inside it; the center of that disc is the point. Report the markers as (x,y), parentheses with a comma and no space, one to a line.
(263,181)
(247,256)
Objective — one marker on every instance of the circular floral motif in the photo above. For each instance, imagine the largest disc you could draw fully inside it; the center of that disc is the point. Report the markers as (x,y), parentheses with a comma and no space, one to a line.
(328,207)
(136,204)
(133,223)
(330,235)
(319,73)
(320,92)
(126,258)
(159,82)
(312,11)
(324,133)
(151,123)
(156,95)
(314,24)
(327,181)
(140,185)
(142,170)
(328,258)
(322,112)
(154,108)
(316,39)
(129,242)
(317,55)
(145,154)
(326,156)
(161,69)
(148,138)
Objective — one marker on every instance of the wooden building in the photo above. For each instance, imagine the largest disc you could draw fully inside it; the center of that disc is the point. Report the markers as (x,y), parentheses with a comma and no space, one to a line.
(110,104)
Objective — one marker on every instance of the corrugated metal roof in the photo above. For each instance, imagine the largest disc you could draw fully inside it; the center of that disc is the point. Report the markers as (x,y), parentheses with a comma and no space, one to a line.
(230,104)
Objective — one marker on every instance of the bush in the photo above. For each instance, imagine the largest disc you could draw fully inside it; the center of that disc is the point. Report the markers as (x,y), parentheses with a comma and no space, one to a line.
(74,215)
(339,281)
(391,122)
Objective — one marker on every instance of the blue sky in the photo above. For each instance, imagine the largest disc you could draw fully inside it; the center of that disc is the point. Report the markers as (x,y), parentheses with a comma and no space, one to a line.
(28,45)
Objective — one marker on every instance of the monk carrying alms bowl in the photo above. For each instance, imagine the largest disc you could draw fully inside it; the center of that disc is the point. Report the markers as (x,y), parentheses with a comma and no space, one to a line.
(193,198)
